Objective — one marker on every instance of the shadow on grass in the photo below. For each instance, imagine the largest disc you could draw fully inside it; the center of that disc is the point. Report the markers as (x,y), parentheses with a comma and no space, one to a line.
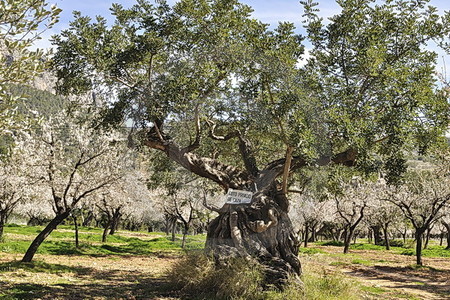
(104,285)
(42,267)
(422,278)
(133,246)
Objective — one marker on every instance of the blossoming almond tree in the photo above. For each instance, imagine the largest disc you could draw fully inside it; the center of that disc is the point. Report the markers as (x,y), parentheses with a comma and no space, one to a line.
(15,184)
(74,161)
(422,199)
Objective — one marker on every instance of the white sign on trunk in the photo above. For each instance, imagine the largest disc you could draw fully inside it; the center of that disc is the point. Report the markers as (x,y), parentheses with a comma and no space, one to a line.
(238,197)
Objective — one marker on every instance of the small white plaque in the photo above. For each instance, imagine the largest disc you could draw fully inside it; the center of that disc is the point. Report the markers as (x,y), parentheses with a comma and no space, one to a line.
(239,197)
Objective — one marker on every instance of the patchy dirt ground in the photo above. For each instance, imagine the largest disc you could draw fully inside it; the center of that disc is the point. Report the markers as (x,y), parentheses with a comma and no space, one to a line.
(390,275)
(75,277)
(382,275)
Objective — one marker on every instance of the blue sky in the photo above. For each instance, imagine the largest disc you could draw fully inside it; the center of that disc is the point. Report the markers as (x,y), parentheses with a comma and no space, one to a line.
(268,11)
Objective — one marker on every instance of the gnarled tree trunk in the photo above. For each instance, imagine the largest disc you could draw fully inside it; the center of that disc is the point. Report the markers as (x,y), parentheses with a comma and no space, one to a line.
(261,230)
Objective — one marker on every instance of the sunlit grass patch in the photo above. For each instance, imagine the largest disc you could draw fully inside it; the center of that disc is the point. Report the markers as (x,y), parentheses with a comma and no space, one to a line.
(362,262)
(431,251)
(311,251)
(62,242)
(339,263)
(331,243)
(41,267)
(373,290)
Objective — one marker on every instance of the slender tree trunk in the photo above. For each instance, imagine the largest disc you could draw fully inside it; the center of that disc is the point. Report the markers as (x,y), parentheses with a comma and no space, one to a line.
(369,236)
(306,235)
(427,236)
(404,233)
(418,236)
(313,233)
(185,232)
(447,226)
(377,234)
(174,227)
(2,225)
(43,235)
(75,221)
(386,236)
(167,228)
(106,231)
(115,221)
(448,240)
(348,239)
(88,219)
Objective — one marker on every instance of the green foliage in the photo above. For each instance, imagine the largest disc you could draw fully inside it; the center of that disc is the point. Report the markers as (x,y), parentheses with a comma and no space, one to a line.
(21,23)
(378,92)
(42,103)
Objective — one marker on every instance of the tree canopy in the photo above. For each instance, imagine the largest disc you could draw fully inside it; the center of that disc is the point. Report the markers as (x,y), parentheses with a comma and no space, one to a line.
(225,97)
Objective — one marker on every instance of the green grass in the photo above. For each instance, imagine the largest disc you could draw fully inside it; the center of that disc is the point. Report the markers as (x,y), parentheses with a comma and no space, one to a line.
(339,263)
(362,262)
(310,251)
(373,290)
(431,251)
(41,267)
(62,242)
(331,243)
(362,246)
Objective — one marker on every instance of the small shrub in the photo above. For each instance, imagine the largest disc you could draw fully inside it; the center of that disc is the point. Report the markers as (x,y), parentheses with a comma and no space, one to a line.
(196,274)
(329,286)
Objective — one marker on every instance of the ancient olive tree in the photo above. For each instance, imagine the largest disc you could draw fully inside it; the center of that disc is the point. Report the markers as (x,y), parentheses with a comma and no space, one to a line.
(218,93)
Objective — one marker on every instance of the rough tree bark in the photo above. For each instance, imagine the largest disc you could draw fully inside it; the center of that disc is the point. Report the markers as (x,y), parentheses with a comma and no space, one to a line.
(419,235)
(28,257)
(447,226)
(386,236)
(260,230)
(3,217)
(306,236)
(376,229)
(5,212)
(75,222)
